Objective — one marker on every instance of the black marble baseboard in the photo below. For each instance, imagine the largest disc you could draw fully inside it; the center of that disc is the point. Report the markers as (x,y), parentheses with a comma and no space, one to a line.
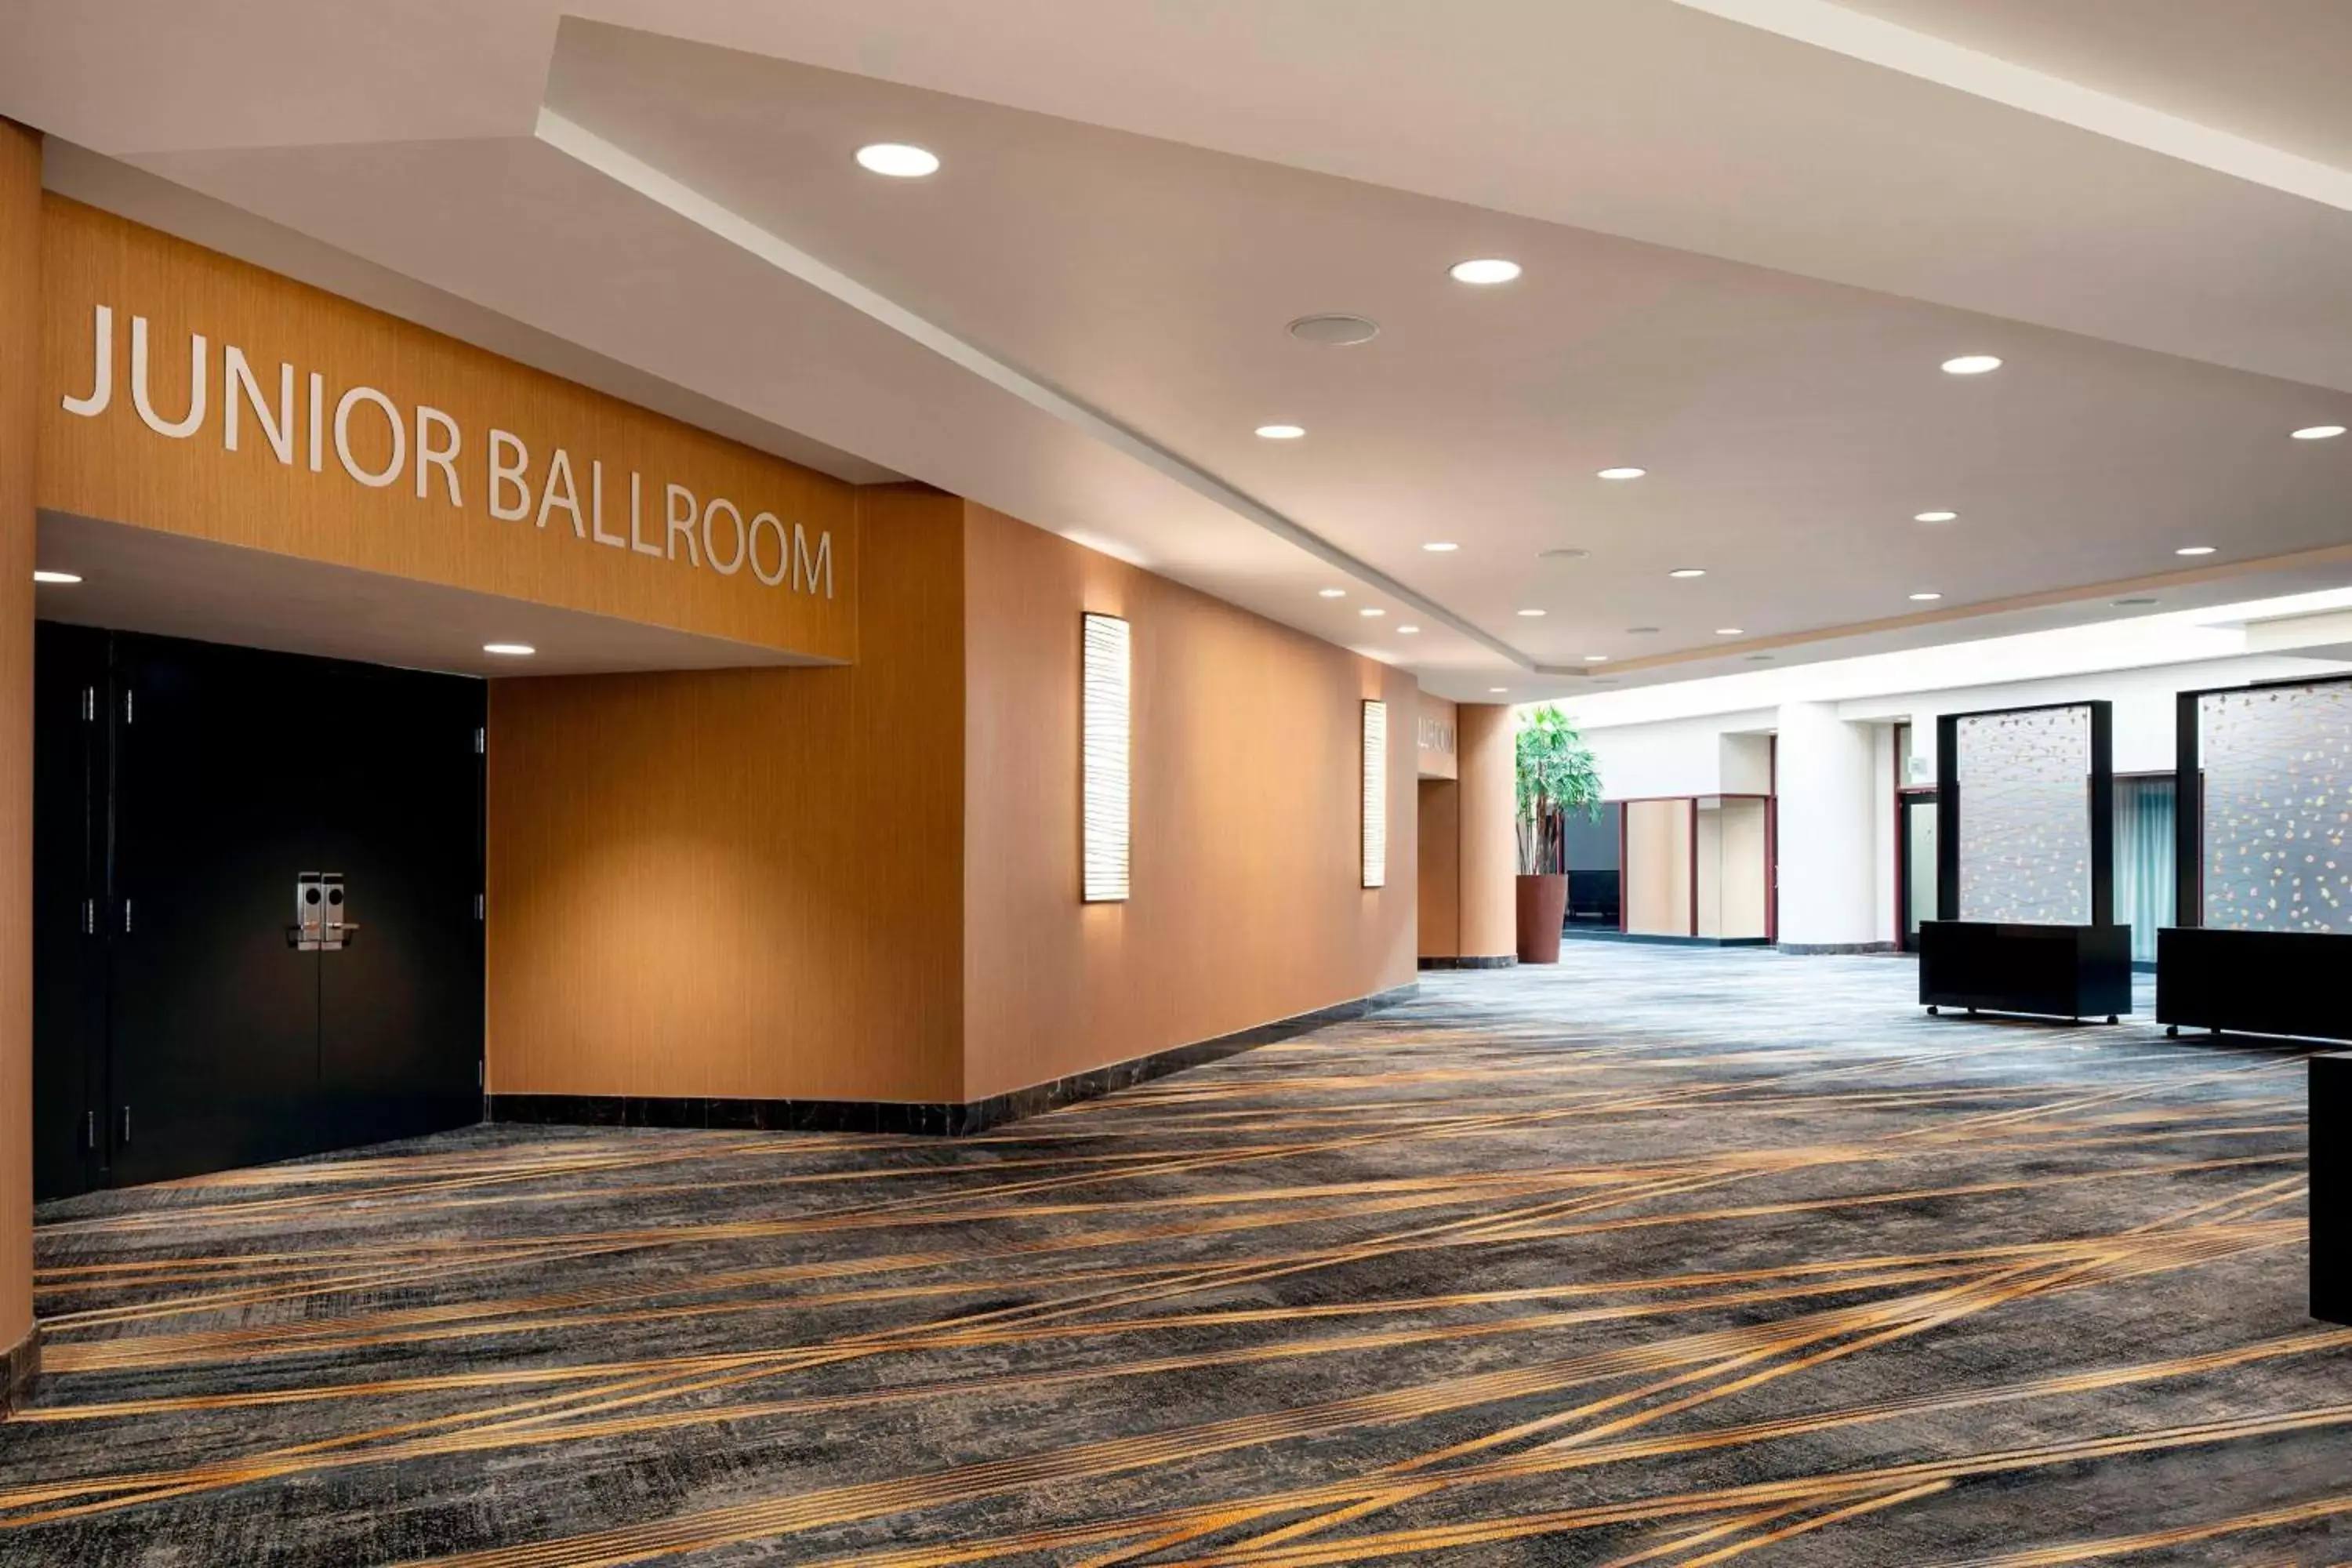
(20,1363)
(1500,961)
(935,1120)
(1657,938)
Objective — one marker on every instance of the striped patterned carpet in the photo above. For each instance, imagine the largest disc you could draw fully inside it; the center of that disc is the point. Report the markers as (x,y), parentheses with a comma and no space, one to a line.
(1660,1257)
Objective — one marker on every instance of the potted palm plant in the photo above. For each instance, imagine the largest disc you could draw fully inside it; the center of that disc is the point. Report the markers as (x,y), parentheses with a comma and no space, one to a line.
(1557,775)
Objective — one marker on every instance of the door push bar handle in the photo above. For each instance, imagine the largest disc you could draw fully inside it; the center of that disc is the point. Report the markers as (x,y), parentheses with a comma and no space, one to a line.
(319,923)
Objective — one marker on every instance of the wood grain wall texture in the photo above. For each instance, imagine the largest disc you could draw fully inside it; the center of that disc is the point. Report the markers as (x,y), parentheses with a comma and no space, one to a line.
(1441,869)
(743,883)
(1485,739)
(1248,904)
(111,465)
(20,318)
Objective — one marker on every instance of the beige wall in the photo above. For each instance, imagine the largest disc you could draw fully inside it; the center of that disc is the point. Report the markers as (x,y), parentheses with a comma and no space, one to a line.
(1486,742)
(1441,869)
(741,883)
(1248,904)
(1656,878)
(20,284)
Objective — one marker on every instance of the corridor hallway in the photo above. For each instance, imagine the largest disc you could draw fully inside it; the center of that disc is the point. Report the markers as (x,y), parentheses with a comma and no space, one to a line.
(1660,1257)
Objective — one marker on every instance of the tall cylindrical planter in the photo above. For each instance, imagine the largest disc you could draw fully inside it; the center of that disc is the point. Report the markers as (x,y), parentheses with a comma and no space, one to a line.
(1543,905)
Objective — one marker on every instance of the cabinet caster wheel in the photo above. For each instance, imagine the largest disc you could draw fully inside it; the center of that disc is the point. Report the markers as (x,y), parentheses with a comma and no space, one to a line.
(2172,1031)
(2112,1018)
(1932,1011)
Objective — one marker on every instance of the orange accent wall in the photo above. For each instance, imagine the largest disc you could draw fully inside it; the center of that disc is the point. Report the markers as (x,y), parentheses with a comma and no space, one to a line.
(1490,848)
(742,883)
(1248,904)
(111,466)
(863,883)
(20,294)
(1441,869)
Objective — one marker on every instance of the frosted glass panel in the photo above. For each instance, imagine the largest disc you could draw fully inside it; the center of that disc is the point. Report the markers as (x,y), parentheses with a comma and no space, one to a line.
(2025,817)
(2275,760)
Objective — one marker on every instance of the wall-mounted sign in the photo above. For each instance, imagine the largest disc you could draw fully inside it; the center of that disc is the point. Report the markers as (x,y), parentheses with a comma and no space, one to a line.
(1433,740)
(190,392)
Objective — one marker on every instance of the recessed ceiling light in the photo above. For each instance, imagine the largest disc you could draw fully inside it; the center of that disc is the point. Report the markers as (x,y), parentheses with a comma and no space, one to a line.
(1334,331)
(509,649)
(1730,632)
(1441,546)
(1565,552)
(2319,433)
(1372,610)
(2194,550)
(1924,599)
(1688,571)
(1596,659)
(898,160)
(1487,269)
(1407,631)
(1282,432)
(1972,364)
(1532,612)
(1623,473)
(2132,604)
(1332,593)
(1497,690)
(58,577)
(1936,517)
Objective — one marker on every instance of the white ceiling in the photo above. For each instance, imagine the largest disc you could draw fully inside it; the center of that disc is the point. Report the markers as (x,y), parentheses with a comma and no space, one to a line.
(143,580)
(1746,252)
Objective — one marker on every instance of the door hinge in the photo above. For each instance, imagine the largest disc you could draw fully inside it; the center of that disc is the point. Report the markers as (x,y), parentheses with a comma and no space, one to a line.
(126,705)
(479,899)
(90,704)
(481,742)
(126,916)
(126,1125)
(89,1130)
(481,1074)
(90,917)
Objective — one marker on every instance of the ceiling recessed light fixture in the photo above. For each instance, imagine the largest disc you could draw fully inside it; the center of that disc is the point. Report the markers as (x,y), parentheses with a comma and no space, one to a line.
(58,577)
(1334,331)
(1485,269)
(2319,433)
(2132,604)
(1730,632)
(1441,546)
(1925,598)
(1532,612)
(1624,473)
(1407,631)
(1331,593)
(1688,571)
(1596,659)
(898,160)
(1972,364)
(1497,690)
(1936,517)
(2194,550)
(1372,610)
(509,649)
(1281,432)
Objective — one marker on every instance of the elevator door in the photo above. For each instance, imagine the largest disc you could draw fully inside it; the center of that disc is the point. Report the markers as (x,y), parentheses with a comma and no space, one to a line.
(205,781)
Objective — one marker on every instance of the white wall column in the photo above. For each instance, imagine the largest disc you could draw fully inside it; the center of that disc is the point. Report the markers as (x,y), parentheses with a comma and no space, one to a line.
(1827,832)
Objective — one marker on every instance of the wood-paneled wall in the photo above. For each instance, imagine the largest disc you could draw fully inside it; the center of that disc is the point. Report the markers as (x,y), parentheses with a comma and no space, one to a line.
(112,466)
(745,883)
(20,319)
(1441,869)
(1487,742)
(1248,904)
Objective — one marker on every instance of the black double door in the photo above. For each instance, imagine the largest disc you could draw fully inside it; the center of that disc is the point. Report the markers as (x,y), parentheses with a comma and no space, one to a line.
(182,789)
